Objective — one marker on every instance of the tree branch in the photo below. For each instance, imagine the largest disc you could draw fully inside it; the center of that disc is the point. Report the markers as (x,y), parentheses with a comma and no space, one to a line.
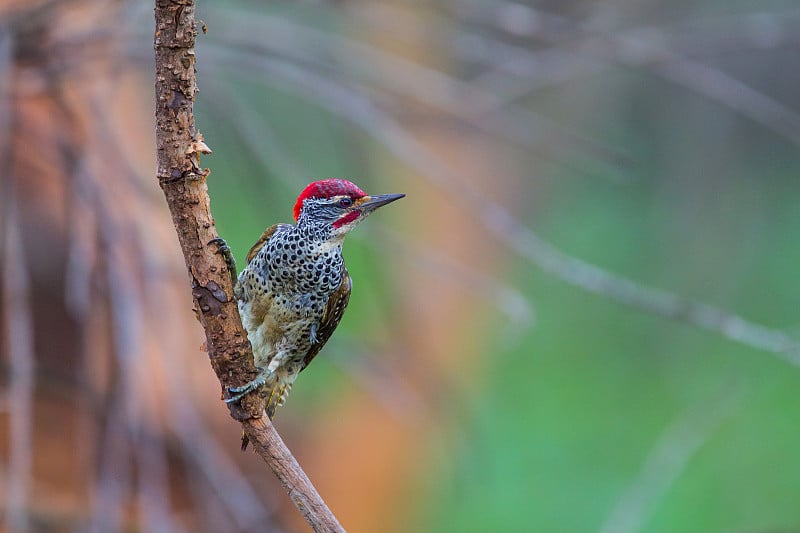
(183,181)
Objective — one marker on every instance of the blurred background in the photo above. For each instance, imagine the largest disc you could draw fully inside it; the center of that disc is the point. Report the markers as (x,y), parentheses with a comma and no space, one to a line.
(583,316)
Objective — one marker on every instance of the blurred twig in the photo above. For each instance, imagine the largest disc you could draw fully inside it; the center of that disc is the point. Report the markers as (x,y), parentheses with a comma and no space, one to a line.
(737,95)
(19,334)
(398,76)
(254,133)
(18,327)
(127,314)
(432,262)
(108,492)
(353,106)
(578,49)
(666,461)
(183,181)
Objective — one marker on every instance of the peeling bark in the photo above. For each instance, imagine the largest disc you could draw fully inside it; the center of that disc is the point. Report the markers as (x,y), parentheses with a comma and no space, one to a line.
(184,184)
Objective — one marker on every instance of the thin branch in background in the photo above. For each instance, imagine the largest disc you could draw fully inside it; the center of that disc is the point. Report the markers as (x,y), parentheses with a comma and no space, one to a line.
(18,327)
(706,34)
(349,104)
(6,89)
(114,148)
(128,322)
(208,508)
(120,438)
(109,490)
(127,318)
(581,52)
(386,383)
(504,297)
(19,340)
(84,306)
(736,32)
(523,71)
(254,133)
(153,483)
(637,295)
(147,452)
(725,89)
(397,75)
(578,50)
(82,249)
(667,460)
(140,447)
(88,212)
(102,455)
(387,387)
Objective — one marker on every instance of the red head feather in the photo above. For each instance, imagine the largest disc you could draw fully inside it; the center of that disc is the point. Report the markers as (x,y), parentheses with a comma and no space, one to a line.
(327,189)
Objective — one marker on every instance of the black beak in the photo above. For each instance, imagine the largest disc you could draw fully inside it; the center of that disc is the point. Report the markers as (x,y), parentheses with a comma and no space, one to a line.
(374,202)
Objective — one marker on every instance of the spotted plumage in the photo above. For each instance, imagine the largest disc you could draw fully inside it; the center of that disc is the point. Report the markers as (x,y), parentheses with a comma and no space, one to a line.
(295,287)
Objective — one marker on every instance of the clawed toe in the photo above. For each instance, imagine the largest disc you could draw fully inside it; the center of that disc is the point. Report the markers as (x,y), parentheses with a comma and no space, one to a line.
(226,252)
(236,397)
(222,246)
(244,389)
(237,393)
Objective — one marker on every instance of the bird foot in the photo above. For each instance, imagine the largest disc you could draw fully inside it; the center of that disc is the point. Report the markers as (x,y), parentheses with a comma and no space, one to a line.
(225,251)
(237,393)
(313,334)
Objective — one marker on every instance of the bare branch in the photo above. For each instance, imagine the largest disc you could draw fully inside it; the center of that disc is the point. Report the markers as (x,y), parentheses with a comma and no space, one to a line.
(183,181)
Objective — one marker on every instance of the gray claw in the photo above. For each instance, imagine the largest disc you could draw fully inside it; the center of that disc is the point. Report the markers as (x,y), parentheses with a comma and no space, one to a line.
(313,335)
(240,392)
(235,398)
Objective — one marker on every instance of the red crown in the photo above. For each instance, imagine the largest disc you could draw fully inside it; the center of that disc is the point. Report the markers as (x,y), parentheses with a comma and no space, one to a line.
(327,189)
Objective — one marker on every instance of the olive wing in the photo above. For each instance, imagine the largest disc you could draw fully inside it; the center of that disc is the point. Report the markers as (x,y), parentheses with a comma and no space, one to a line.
(334,310)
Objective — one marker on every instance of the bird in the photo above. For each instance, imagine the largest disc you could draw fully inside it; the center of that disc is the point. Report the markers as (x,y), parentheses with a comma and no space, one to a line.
(295,287)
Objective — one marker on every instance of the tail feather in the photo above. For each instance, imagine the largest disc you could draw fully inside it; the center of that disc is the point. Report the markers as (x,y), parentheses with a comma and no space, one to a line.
(274,400)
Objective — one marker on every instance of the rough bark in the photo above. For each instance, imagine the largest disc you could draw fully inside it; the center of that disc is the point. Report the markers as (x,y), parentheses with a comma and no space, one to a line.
(183,181)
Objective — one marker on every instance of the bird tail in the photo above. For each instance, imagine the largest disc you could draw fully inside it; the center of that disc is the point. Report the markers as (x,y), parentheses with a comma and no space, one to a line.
(277,397)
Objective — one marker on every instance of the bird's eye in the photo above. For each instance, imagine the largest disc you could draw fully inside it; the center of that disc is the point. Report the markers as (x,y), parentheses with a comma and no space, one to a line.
(345,202)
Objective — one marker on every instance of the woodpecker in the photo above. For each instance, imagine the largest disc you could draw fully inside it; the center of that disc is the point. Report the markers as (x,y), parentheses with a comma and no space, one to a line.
(295,287)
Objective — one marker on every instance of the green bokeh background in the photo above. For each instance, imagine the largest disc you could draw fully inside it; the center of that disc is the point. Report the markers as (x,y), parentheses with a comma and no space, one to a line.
(573,406)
